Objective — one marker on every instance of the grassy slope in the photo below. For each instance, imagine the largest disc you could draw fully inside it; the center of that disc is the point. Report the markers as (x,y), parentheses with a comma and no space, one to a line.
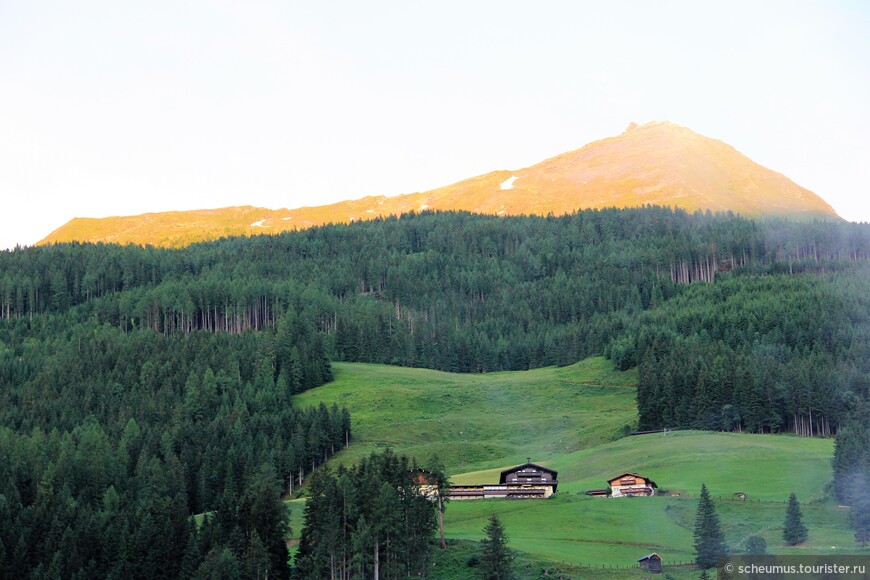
(574,528)
(565,418)
(480,421)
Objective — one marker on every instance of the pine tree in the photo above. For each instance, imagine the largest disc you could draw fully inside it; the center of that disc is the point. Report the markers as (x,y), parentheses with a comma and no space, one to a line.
(495,557)
(794,531)
(709,540)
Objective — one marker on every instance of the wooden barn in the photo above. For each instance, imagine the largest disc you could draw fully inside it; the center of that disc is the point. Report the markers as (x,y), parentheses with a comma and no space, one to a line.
(651,562)
(524,481)
(631,485)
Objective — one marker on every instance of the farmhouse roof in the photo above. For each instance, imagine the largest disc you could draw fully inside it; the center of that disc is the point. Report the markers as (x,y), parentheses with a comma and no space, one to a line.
(620,476)
(523,466)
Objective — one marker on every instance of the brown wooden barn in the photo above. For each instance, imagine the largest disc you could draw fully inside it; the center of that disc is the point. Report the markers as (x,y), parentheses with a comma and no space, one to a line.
(651,562)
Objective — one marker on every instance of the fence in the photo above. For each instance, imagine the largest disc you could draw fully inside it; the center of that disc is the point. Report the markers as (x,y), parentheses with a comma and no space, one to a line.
(565,566)
(747,500)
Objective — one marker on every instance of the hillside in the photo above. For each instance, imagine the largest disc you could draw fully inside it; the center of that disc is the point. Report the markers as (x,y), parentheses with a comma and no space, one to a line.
(204,346)
(565,418)
(141,386)
(475,421)
(658,163)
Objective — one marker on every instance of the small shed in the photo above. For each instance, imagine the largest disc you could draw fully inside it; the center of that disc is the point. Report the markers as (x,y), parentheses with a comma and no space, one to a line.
(651,562)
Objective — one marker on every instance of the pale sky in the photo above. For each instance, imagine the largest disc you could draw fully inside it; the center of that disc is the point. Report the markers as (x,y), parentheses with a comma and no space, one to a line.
(116,108)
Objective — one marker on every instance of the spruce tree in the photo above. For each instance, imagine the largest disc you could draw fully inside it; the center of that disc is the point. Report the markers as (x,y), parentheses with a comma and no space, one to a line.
(495,557)
(709,541)
(794,531)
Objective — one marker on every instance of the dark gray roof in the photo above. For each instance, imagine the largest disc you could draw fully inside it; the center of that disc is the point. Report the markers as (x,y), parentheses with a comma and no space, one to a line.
(523,466)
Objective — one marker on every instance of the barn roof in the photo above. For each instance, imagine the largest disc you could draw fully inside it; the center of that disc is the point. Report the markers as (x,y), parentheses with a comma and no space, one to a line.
(620,476)
(648,556)
(523,466)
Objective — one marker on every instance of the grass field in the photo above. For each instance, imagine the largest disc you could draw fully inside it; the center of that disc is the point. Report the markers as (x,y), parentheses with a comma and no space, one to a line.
(566,419)
(762,466)
(576,529)
(476,422)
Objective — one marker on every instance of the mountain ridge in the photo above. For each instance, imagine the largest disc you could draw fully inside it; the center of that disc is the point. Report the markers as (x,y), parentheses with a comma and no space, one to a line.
(657,163)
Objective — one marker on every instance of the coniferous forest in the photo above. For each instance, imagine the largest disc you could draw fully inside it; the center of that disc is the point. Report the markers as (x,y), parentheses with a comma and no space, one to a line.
(147,427)
(371,521)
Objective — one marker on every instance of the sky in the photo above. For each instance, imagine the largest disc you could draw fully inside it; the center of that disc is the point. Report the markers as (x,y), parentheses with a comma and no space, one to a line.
(117,108)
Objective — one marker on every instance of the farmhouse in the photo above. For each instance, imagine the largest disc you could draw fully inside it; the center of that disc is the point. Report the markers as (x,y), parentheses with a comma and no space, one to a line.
(425,482)
(521,482)
(631,484)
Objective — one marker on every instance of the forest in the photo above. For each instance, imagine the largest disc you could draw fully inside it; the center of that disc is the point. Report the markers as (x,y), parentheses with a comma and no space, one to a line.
(374,520)
(146,394)
(112,441)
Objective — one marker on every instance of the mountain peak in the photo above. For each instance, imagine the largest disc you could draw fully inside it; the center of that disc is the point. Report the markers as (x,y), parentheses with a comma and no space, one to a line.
(655,163)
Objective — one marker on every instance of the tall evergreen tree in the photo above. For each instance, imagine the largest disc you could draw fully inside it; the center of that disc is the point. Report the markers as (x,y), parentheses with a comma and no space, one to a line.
(495,556)
(794,531)
(709,540)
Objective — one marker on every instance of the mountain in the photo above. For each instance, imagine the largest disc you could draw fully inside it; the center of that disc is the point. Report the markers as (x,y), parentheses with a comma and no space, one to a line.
(657,163)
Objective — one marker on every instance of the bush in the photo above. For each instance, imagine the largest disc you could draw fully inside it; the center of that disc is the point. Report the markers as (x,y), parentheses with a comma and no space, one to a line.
(756,546)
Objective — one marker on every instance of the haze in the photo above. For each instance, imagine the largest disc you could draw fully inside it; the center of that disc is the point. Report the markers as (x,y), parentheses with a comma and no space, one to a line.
(117,108)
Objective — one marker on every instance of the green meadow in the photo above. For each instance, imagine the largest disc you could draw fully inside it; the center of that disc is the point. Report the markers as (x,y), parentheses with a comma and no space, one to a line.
(474,422)
(569,419)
